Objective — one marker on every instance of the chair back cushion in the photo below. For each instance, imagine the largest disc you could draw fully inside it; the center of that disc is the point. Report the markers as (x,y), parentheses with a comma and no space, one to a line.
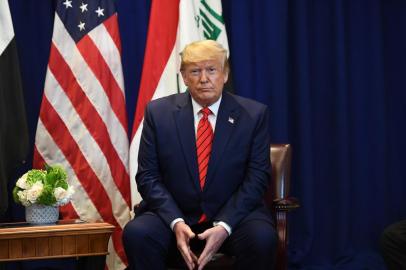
(280,176)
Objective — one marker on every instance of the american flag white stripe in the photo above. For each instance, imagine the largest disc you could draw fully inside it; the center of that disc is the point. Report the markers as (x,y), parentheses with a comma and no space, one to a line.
(111,262)
(83,122)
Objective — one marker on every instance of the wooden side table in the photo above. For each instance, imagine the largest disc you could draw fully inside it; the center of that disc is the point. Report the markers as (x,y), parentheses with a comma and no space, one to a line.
(67,238)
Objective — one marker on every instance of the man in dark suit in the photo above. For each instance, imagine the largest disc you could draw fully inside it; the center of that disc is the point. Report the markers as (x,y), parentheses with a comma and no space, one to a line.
(204,166)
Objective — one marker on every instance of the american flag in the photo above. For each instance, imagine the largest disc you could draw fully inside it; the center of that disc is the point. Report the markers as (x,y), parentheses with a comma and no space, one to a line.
(82,123)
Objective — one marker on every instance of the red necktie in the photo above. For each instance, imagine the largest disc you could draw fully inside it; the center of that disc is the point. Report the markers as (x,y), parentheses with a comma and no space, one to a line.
(204,141)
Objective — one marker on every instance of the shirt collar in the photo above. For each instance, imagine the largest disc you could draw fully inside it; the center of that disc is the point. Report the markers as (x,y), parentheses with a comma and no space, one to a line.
(214,108)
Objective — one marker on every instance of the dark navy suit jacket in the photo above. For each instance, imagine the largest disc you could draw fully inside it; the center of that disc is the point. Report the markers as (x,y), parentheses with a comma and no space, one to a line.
(238,170)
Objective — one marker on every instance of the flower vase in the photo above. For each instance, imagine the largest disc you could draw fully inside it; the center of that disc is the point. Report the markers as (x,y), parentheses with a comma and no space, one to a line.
(41,214)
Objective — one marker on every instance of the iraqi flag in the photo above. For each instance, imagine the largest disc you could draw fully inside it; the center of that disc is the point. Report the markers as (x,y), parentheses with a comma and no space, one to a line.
(173,24)
(83,123)
(13,125)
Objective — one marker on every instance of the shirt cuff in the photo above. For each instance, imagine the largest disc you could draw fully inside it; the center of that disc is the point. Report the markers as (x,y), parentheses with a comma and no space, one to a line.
(224,225)
(176,220)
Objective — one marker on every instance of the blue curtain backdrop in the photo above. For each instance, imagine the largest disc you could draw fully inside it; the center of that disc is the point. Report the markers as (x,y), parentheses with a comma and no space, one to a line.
(333,73)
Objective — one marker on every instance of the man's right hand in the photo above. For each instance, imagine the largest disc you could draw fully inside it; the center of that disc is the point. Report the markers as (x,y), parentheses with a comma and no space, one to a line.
(183,235)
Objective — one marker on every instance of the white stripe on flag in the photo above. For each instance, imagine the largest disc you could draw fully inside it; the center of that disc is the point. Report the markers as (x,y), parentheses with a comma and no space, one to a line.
(6,28)
(111,262)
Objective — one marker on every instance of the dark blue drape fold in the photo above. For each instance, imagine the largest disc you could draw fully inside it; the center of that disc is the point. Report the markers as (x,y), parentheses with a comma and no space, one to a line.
(333,74)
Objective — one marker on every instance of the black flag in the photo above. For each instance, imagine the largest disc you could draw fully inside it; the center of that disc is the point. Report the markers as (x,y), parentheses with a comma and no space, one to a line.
(13,124)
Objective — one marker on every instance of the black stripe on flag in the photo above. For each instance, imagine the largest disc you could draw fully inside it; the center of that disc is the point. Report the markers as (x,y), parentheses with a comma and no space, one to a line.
(13,124)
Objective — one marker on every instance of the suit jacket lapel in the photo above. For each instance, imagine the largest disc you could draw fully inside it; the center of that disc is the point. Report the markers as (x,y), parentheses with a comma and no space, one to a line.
(185,127)
(227,119)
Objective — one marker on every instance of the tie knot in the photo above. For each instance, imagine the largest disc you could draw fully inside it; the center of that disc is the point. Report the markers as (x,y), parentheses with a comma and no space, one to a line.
(206,112)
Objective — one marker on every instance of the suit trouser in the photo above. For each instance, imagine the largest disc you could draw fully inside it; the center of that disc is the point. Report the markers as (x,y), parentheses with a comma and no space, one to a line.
(393,246)
(149,243)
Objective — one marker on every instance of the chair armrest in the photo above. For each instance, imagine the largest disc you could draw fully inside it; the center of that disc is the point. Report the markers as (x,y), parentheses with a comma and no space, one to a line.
(281,208)
(285,204)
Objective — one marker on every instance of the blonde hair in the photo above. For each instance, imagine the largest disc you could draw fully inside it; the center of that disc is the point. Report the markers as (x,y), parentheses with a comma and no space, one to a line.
(204,50)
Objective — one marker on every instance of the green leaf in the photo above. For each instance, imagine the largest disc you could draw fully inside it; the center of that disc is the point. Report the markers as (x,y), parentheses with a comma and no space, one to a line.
(56,176)
(15,196)
(35,176)
(63,184)
(47,196)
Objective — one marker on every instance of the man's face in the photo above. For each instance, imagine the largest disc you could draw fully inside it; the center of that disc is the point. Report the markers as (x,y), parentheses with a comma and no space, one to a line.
(205,81)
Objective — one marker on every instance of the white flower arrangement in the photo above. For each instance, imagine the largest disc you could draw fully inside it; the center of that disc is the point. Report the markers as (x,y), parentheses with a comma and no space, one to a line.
(46,187)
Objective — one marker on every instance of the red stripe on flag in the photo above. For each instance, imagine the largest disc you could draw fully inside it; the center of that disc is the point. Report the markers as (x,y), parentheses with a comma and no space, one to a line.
(161,39)
(90,117)
(68,212)
(38,162)
(111,25)
(101,70)
(90,182)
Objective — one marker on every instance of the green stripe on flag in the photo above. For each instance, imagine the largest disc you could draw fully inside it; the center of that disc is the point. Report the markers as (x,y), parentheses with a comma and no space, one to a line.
(211,30)
(212,12)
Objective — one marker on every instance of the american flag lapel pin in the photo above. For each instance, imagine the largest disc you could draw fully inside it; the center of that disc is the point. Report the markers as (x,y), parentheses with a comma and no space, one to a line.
(231,120)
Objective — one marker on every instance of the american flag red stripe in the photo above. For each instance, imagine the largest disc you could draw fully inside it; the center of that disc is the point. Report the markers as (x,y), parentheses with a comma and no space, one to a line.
(83,123)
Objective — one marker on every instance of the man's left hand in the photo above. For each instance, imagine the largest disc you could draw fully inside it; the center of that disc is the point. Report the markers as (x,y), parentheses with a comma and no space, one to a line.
(214,239)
